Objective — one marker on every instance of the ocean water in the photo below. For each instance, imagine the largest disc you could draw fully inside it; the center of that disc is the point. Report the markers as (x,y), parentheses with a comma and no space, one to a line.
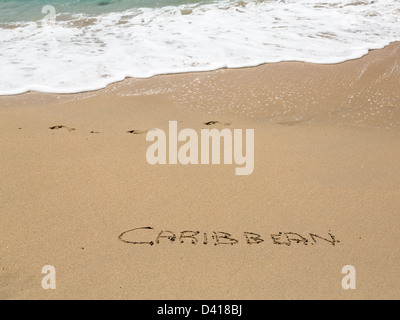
(78,45)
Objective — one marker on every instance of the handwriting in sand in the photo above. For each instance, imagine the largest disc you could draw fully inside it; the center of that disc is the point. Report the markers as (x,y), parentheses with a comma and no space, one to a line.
(150,236)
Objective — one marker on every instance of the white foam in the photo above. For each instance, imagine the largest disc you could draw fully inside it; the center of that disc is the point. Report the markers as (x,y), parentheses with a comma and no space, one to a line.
(88,53)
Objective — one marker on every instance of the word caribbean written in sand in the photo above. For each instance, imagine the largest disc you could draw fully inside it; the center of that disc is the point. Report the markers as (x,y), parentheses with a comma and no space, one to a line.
(150,236)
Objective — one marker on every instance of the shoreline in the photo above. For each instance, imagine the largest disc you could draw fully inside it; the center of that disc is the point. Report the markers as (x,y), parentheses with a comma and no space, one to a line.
(287,93)
(197,72)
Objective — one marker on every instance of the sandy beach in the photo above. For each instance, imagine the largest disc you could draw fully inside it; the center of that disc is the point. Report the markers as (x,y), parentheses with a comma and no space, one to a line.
(74,177)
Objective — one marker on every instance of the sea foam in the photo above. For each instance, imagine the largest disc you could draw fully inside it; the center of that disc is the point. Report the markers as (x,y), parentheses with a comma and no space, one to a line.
(82,53)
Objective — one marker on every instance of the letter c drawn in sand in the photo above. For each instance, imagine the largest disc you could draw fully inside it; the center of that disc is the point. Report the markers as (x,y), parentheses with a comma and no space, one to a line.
(135,242)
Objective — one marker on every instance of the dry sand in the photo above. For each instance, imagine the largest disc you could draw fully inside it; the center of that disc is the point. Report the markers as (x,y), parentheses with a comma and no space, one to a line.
(326,161)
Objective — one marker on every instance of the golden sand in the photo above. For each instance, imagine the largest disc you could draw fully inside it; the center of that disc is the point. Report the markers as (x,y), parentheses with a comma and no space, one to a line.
(74,177)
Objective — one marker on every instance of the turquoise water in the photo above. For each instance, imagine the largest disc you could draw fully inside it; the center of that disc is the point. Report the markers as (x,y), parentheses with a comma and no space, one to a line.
(87,45)
(31,10)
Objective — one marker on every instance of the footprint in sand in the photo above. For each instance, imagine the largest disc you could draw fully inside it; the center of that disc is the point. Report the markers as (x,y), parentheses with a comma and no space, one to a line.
(210,123)
(137,131)
(61,127)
